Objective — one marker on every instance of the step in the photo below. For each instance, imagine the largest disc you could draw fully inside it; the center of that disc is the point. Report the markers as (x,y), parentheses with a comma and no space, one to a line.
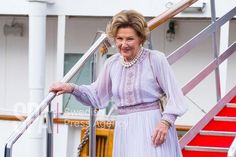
(217,133)
(231,105)
(227,111)
(187,153)
(206,149)
(220,126)
(211,141)
(224,118)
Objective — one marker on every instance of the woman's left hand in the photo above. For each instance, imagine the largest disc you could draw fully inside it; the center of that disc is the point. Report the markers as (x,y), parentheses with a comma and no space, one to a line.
(160,133)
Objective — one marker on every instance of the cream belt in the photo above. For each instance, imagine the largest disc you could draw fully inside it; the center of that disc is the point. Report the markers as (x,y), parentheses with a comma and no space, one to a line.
(138,107)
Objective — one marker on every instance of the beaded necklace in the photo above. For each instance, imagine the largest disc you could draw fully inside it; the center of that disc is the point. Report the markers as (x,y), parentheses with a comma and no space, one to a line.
(132,62)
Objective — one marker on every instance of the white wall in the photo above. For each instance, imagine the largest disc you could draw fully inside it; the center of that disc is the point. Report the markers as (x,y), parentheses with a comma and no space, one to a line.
(9,126)
(14,66)
(150,8)
(231,74)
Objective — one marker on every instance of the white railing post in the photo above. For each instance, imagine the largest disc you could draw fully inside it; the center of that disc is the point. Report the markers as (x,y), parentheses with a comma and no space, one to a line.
(216,52)
(232,149)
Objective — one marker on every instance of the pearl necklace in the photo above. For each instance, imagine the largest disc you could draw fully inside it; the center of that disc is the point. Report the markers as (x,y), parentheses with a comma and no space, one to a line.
(132,62)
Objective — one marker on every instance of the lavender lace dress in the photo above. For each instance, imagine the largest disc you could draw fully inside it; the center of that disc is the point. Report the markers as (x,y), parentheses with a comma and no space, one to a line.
(137,86)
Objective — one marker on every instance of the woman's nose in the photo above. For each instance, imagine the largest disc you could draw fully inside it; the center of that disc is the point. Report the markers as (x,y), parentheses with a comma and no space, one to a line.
(124,42)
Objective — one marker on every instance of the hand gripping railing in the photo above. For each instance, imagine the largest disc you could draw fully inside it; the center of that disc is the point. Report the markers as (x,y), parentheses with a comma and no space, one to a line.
(46,102)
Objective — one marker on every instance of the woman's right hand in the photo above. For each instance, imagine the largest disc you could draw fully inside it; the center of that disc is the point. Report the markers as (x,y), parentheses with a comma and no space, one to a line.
(60,88)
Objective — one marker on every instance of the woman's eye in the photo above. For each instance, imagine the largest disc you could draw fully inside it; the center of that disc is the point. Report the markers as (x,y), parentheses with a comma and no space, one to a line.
(130,39)
(118,38)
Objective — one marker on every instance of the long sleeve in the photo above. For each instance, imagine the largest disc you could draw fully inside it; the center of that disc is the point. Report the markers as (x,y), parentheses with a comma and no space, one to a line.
(98,93)
(176,103)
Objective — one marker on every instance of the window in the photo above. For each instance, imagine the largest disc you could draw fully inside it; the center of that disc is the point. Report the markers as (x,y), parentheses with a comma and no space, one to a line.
(70,104)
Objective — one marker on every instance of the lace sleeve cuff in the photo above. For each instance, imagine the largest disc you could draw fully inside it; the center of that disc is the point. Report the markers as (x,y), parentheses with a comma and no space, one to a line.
(169,118)
(80,95)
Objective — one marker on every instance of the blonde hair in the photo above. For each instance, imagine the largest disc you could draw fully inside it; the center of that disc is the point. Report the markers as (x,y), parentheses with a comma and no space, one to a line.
(128,18)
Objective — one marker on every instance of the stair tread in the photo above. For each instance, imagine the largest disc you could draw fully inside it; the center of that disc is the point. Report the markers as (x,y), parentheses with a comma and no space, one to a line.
(187,153)
(211,141)
(220,126)
(233,100)
(217,133)
(226,111)
(217,140)
(224,118)
(231,105)
(206,149)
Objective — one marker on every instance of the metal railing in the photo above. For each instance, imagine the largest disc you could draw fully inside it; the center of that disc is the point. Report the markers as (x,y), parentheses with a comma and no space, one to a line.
(189,45)
(197,79)
(183,50)
(165,16)
(46,102)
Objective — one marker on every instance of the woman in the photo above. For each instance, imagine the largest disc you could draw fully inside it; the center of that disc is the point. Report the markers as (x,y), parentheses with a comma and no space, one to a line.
(136,78)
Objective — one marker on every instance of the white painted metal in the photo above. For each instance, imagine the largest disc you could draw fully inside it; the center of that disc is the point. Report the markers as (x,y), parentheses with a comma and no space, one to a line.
(232,149)
(215,52)
(206,149)
(29,120)
(208,69)
(189,45)
(224,43)
(217,133)
(224,118)
(37,52)
(61,28)
(231,105)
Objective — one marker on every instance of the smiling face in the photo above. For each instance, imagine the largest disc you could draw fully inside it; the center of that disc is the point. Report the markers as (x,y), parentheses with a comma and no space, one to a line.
(128,43)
